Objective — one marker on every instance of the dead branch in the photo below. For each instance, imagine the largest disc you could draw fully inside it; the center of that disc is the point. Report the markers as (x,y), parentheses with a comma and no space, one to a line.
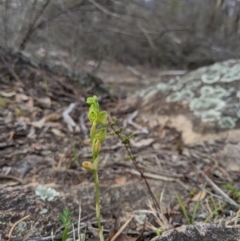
(32,27)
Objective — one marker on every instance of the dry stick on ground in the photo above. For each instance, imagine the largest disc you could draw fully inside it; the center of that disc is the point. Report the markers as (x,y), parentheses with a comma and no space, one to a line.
(130,121)
(14,225)
(133,158)
(121,229)
(9,177)
(9,68)
(220,191)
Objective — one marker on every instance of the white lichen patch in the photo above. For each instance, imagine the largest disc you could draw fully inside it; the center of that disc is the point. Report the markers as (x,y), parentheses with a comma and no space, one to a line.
(207,91)
(207,108)
(162,86)
(232,74)
(214,73)
(22,226)
(152,90)
(46,193)
(227,122)
(238,94)
(210,116)
(180,96)
(193,85)
(210,78)
(174,97)
(216,92)
(177,86)
(220,92)
(205,104)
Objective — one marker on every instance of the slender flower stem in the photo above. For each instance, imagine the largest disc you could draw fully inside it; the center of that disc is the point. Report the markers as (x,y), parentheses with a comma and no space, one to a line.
(97,135)
(97,192)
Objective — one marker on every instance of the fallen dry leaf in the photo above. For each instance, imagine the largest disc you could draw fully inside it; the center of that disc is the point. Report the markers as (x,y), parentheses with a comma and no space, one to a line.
(87,142)
(11,134)
(53,117)
(39,124)
(121,180)
(30,103)
(142,143)
(7,94)
(57,132)
(36,146)
(31,133)
(21,97)
(46,101)
(186,152)
(199,196)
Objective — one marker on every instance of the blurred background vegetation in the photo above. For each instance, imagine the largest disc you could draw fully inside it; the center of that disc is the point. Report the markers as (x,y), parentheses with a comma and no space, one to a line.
(158,33)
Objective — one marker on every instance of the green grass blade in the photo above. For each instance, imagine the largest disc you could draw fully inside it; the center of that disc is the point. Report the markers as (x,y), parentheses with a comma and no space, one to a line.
(183,208)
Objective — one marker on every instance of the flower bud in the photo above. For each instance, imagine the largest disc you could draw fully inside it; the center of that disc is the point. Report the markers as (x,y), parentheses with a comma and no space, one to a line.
(97,146)
(93,101)
(88,165)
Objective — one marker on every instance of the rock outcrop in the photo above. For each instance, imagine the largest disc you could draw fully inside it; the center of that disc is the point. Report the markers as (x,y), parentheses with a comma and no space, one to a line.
(200,232)
(202,104)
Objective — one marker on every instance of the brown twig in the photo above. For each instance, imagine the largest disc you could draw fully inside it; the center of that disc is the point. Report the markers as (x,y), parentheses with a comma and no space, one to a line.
(33,26)
(133,158)
(20,181)
(14,225)
(9,68)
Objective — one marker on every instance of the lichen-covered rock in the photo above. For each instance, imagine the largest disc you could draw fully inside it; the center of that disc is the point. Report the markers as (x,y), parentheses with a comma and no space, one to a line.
(200,232)
(208,97)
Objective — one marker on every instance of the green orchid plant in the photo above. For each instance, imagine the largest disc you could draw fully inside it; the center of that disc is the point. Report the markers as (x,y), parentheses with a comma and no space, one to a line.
(98,134)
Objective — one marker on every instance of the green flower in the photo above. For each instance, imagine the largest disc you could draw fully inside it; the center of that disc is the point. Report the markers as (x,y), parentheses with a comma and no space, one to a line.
(93,114)
(93,102)
(99,117)
(100,135)
(102,118)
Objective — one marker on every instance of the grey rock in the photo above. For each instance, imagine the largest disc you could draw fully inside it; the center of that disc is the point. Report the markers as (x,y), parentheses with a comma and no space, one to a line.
(200,232)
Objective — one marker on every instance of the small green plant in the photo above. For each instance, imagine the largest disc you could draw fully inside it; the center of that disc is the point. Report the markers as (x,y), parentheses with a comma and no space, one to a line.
(19,112)
(190,217)
(75,153)
(182,207)
(125,139)
(46,85)
(98,134)
(216,210)
(233,191)
(192,193)
(158,232)
(65,220)
(3,102)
